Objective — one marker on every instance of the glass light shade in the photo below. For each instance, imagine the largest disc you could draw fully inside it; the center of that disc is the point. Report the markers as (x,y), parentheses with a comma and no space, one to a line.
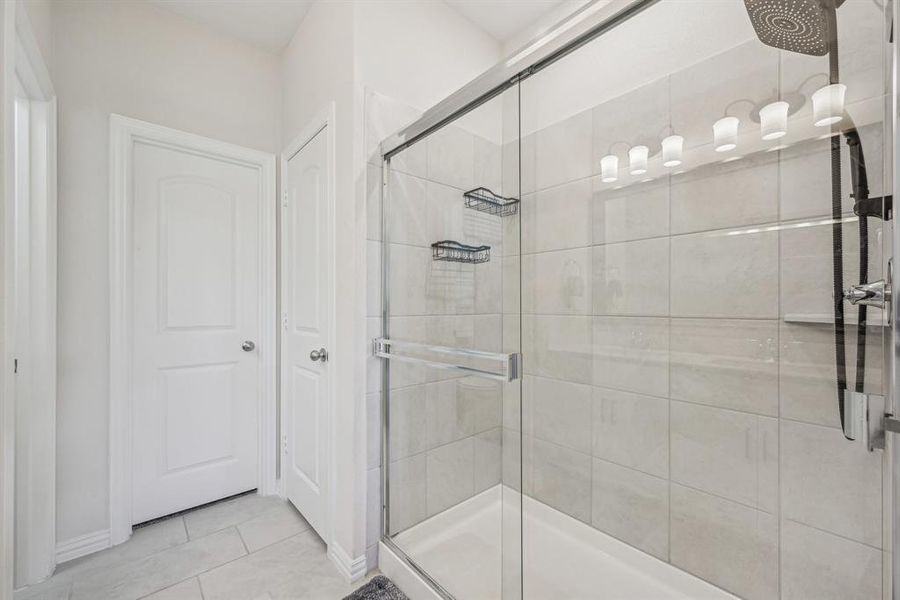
(637,159)
(773,120)
(672,148)
(725,133)
(609,168)
(828,104)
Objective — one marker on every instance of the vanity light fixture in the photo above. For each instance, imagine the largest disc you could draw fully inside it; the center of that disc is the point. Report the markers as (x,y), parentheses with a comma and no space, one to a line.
(773,120)
(672,148)
(609,168)
(828,104)
(725,133)
(637,159)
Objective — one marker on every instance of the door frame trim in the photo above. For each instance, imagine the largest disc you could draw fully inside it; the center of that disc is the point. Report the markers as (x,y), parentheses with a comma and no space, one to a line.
(31,529)
(324,119)
(123,133)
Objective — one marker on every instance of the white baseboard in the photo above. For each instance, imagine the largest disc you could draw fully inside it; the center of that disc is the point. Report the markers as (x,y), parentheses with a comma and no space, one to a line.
(351,568)
(82,545)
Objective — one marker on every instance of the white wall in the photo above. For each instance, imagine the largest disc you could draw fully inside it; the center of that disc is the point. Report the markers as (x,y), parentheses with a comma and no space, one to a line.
(418,52)
(317,69)
(133,59)
(136,60)
(40,16)
(414,52)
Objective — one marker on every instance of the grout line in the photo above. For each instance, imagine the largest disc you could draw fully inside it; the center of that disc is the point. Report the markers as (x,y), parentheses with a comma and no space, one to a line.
(837,535)
(243,542)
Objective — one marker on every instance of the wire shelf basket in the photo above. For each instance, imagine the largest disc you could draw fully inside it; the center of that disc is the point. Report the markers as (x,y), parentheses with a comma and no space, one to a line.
(452,251)
(484,200)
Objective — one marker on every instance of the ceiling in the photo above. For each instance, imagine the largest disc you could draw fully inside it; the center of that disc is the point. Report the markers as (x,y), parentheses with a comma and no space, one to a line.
(270,24)
(503,19)
(267,24)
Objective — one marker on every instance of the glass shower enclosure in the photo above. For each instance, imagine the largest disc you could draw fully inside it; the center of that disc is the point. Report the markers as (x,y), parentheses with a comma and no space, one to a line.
(635,340)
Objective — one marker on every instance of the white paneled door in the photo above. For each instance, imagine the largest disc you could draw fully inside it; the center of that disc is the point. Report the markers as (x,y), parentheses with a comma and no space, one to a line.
(307,276)
(196,323)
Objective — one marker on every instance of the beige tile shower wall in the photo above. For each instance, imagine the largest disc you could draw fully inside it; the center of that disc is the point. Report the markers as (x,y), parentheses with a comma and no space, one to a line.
(672,398)
(444,436)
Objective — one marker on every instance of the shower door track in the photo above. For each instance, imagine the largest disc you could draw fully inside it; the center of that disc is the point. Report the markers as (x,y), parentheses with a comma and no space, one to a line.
(589,22)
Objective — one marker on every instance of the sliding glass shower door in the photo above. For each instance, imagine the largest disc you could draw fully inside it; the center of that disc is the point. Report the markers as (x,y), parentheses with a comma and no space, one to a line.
(691,180)
(451,335)
(634,314)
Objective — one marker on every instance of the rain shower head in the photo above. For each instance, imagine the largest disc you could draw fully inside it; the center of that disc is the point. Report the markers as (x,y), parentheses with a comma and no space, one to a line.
(804,26)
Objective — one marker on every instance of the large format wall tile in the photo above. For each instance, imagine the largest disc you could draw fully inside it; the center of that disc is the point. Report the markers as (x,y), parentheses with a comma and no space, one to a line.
(557,347)
(816,564)
(725,274)
(409,270)
(558,411)
(562,151)
(557,283)
(449,286)
(805,171)
(408,500)
(511,274)
(703,92)
(488,165)
(450,475)
(487,456)
(445,216)
(411,161)
(459,408)
(488,333)
(831,483)
(557,218)
(721,195)
(726,453)
(632,278)
(631,506)
(634,212)
(807,286)
(513,155)
(562,479)
(640,116)
(408,419)
(407,206)
(513,468)
(632,354)
(489,286)
(808,376)
(451,157)
(732,364)
(632,430)
(728,544)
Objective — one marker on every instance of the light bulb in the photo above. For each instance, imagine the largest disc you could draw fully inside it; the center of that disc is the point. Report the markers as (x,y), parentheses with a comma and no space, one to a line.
(672,148)
(828,104)
(609,168)
(637,159)
(773,120)
(725,133)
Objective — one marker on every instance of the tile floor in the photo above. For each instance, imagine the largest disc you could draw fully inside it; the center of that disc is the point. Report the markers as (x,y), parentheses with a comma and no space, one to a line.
(247,548)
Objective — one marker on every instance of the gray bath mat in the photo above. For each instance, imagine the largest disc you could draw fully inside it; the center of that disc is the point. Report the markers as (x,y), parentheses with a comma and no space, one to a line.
(379,588)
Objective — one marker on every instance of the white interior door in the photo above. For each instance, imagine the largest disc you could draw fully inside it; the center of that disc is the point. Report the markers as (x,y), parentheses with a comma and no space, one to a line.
(306,302)
(196,315)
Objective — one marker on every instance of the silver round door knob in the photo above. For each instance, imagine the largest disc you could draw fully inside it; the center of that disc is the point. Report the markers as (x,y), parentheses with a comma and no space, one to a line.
(320,354)
(248,346)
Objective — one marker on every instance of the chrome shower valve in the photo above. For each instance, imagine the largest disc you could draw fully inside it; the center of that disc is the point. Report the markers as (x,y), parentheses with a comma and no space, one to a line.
(876,294)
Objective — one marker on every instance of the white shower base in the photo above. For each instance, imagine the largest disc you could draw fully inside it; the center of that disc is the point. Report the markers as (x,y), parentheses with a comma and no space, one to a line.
(564,558)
